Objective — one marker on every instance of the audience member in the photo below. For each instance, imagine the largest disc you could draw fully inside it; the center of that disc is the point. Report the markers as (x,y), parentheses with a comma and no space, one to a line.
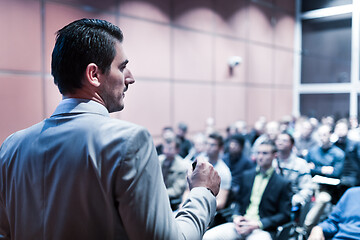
(257,130)
(214,144)
(167,135)
(174,170)
(236,160)
(305,138)
(264,202)
(294,169)
(351,167)
(239,128)
(287,124)
(272,129)
(344,220)
(326,160)
(185,144)
(354,131)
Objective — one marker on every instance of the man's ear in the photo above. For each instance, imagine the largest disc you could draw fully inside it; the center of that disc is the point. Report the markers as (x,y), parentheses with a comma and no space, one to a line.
(92,74)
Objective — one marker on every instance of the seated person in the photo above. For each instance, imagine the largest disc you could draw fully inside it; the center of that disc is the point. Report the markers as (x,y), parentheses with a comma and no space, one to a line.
(293,168)
(214,144)
(305,137)
(350,148)
(174,170)
(343,222)
(236,160)
(326,160)
(185,144)
(213,148)
(167,135)
(264,202)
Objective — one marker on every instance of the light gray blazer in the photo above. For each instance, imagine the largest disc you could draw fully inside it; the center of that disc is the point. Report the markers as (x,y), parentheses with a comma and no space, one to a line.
(83,175)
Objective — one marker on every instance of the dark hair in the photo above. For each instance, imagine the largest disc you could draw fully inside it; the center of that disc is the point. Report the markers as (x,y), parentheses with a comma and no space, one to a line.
(271,143)
(79,43)
(182,126)
(237,138)
(292,139)
(167,128)
(218,138)
(176,141)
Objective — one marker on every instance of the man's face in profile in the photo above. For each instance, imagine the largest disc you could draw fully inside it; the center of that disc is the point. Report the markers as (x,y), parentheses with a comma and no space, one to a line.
(115,82)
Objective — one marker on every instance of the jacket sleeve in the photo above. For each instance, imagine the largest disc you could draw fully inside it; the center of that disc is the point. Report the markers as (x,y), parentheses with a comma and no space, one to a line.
(338,164)
(143,203)
(4,223)
(331,225)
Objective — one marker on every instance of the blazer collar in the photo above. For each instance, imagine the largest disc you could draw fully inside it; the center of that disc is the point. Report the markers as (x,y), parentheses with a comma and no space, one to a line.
(77,105)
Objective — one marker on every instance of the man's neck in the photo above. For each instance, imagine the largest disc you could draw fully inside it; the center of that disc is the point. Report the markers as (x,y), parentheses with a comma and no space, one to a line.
(85,93)
(213,160)
(264,169)
(284,155)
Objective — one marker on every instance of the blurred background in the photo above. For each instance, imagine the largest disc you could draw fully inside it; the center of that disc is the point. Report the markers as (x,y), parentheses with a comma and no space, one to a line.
(201,62)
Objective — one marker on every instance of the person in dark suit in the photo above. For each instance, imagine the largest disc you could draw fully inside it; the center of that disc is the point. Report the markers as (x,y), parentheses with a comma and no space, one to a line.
(236,160)
(263,202)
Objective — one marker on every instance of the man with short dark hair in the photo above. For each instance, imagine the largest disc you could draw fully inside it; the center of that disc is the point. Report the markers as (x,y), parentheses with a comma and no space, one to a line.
(236,160)
(81,174)
(263,202)
(185,144)
(214,145)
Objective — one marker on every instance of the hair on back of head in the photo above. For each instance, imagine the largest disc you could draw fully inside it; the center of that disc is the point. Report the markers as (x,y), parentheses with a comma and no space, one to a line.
(238,138)
(271,143)
(217,136)
(78,44)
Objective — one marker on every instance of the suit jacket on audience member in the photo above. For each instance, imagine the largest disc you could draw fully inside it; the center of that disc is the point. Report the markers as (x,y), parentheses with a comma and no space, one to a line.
(275,204)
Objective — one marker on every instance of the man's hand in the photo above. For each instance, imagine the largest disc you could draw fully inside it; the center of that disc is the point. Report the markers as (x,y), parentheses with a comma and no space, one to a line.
(243,226)
(204,175)
(316,234)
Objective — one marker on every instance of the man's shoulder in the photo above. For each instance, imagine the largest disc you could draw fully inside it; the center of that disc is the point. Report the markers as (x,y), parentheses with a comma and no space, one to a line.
(110,126)
(337,151)
(249,173)
(353,191)
(23,134)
